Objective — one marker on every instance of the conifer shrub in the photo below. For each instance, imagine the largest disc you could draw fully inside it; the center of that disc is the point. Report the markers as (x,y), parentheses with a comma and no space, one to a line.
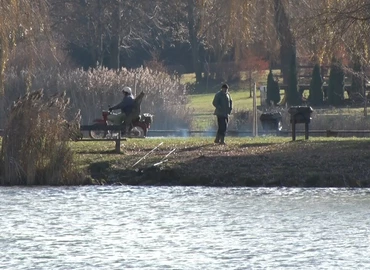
(357,83)
(273,90)
(293,98)
(316,95)
(336,83)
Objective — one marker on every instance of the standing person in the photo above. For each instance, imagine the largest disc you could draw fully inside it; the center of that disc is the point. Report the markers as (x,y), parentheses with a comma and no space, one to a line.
(125,105)
(223,104)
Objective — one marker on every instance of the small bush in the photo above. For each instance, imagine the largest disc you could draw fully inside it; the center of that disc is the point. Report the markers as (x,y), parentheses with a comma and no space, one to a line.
(316,96)
(273,90)
(336,83)
(330,119)
(293,97)
(241,120)
(35,148)
(357,82)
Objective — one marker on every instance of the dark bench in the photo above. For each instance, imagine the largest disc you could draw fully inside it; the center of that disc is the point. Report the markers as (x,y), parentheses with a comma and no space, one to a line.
(117,140)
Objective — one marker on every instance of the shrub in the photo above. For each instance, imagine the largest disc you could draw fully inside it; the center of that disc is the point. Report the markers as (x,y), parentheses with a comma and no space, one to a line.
(241,120)
(293,97)
(273,90)
(330,119)
(316,96)
(336,83)
(93,90)
(35,148)
(358,82)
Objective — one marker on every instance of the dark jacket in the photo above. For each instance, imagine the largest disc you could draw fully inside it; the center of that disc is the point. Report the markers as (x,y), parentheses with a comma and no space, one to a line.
(125,105)
(223,103)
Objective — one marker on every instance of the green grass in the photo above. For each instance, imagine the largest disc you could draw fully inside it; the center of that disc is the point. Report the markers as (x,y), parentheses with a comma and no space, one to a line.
(201,104)
(202,107)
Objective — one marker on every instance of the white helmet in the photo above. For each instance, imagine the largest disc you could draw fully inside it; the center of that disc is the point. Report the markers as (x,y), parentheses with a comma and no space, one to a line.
(127,90)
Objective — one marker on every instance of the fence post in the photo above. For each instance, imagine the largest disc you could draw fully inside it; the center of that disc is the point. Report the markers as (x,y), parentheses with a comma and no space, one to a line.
(135,85)
(118,143)
(255,118)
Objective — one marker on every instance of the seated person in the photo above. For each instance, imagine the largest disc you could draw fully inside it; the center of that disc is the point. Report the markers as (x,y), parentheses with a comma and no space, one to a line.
(125,105)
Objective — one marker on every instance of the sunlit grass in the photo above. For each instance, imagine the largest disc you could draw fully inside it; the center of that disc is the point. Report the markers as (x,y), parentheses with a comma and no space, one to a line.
(202,107)
(259,77)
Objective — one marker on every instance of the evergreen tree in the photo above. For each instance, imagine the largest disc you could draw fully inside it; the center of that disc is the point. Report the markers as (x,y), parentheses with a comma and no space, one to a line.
(276,93)
(273,90)
(336,83)
(357,80)
(293,97)
(316,93)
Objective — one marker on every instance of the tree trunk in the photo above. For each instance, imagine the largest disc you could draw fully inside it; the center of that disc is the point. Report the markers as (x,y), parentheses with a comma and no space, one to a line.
(357,79)
(114,53)
(286,39)
(195,43)
(100,57)
(115,40)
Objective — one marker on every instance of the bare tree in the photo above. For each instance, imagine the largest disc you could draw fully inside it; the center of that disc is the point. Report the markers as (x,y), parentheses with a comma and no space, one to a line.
(227,27)
(20,20)
(105,28)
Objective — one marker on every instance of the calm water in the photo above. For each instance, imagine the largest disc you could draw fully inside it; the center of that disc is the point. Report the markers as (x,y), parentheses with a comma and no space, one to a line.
(184,228)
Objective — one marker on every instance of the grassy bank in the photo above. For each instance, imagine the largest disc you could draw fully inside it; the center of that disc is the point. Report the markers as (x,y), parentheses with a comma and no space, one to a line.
(342,118)
(201,105)
(268,161)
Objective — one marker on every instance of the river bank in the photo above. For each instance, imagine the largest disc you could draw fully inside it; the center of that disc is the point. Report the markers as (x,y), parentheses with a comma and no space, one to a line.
(247,162)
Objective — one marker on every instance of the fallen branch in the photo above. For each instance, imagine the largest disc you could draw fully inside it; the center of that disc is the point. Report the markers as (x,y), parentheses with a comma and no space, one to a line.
(151,151)
(159,163)
(164,159)
(173,150)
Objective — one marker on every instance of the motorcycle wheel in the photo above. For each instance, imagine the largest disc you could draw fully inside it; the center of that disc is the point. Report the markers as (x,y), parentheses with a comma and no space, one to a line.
(97,134)
(137,132)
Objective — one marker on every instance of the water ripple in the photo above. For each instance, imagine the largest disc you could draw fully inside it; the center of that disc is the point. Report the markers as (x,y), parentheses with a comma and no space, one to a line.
(124,227)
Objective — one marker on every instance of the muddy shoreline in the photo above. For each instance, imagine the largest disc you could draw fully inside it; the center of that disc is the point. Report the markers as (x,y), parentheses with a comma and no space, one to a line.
(173,177)
(288,164)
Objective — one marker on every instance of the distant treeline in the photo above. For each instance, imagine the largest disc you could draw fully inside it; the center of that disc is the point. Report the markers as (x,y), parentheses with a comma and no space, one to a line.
(215,39)
(187,35)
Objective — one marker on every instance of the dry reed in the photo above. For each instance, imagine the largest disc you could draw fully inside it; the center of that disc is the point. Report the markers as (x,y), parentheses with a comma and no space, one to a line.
(94,90)
(35,148)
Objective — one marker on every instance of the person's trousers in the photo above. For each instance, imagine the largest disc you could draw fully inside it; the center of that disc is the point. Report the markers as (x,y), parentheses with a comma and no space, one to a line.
(117,119)
(222,122)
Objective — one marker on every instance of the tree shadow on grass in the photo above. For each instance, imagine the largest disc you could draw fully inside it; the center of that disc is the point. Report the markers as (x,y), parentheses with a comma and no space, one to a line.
(256,144)
(194,148)
(109,152)
(349,144)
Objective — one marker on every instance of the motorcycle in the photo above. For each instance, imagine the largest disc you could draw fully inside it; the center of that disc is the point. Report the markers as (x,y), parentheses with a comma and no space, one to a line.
(138,128)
